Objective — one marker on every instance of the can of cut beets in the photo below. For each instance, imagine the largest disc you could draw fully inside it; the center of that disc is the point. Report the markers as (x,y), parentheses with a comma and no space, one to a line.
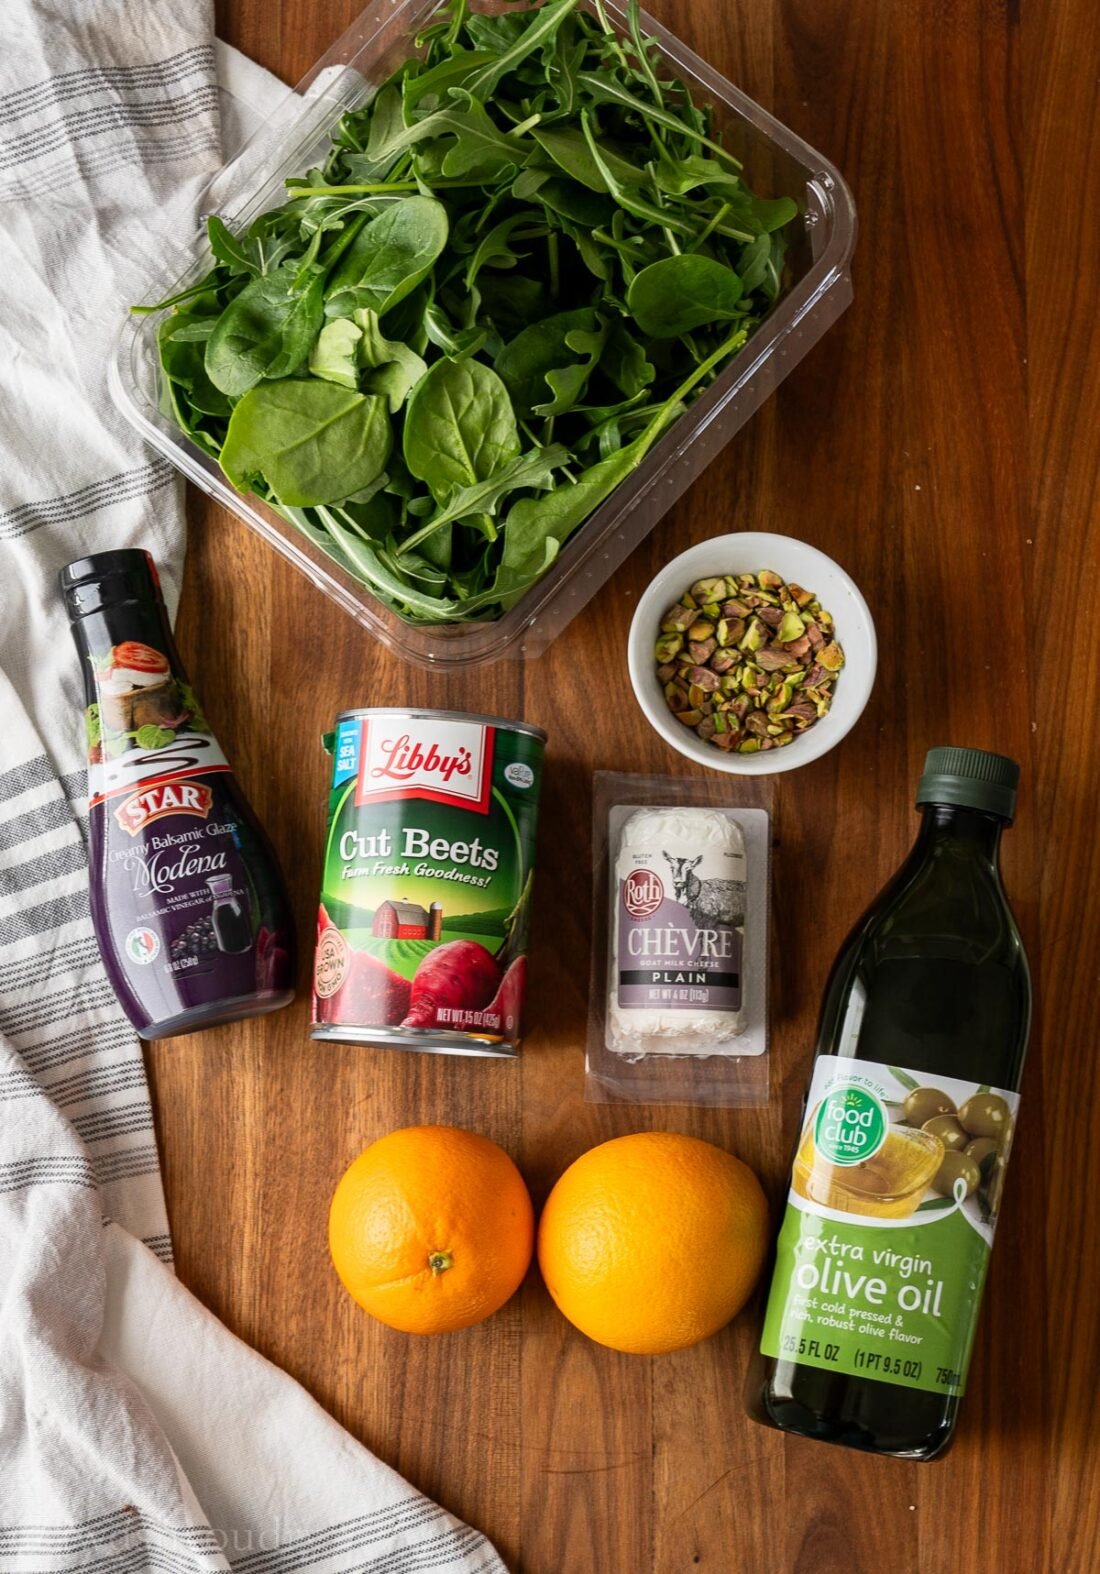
(426,884)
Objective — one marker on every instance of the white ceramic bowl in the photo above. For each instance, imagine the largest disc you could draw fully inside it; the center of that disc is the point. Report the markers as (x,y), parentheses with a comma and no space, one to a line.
(747,553)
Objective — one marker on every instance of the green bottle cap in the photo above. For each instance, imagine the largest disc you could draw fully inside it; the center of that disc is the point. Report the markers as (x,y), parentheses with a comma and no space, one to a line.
(971,778)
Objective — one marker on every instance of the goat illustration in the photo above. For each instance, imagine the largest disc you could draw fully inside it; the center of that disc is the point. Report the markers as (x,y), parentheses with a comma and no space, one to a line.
(709,902)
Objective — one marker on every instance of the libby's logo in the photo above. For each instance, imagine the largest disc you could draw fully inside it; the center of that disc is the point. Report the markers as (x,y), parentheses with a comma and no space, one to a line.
(444,761)
(405,759)
(160,798)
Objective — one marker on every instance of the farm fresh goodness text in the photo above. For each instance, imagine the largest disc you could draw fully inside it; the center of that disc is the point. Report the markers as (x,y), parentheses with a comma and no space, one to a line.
(382,855)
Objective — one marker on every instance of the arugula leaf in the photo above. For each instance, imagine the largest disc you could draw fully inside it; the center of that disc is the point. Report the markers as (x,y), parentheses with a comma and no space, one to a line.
(534,469)
(479,147)
(236,255)
(542,25)
(526,362)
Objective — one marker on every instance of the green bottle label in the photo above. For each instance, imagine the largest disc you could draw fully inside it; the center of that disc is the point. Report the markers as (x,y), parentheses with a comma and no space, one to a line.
(885,1241)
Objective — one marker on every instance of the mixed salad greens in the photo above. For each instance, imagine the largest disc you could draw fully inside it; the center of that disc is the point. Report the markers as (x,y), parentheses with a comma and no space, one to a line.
(449,345)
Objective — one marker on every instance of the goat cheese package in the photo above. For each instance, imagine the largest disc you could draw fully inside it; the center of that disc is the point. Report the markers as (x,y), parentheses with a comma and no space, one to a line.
(677,952)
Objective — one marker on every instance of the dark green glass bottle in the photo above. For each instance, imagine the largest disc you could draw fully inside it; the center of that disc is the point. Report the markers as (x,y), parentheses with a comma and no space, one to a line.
(902,1152)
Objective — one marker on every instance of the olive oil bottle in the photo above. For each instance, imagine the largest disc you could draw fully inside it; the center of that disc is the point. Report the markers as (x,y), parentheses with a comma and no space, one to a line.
(908,1123)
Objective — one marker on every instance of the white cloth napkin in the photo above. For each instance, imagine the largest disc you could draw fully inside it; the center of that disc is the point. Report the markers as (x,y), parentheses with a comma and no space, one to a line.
(135,1431)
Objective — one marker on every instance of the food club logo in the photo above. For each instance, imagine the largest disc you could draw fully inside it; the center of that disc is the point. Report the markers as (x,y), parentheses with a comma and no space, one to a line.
(851,1125)
(643,893)
(161,798)
(442,761)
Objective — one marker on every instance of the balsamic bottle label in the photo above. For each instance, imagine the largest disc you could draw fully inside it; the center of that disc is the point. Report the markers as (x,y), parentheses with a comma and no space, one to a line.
(889,1223)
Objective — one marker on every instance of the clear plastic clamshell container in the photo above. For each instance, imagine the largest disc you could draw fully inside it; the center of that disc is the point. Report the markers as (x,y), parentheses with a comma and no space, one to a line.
(295,137)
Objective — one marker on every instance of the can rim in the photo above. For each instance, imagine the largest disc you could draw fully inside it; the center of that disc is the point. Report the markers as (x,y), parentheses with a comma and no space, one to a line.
(425,714)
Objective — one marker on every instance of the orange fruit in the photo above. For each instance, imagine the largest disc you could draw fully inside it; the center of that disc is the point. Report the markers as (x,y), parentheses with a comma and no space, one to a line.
(431,1229)
(652,1242)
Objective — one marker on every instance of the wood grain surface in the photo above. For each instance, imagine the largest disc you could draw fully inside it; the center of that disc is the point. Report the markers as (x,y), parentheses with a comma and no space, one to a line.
(941,443)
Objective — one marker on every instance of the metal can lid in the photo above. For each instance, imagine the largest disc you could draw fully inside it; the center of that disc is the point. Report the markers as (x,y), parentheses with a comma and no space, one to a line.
(420,714)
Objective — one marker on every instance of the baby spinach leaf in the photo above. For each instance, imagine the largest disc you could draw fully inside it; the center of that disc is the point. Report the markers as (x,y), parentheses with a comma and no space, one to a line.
(677,294)
(459,426)
(334,357)
(677,176)
(393,369)
(310,441)
(265,331)
(389,258)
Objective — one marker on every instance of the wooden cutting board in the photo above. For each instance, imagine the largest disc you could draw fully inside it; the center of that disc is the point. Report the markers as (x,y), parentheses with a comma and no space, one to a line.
(942,443)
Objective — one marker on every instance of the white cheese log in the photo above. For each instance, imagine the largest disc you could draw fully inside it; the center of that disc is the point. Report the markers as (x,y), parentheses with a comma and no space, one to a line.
(677,934)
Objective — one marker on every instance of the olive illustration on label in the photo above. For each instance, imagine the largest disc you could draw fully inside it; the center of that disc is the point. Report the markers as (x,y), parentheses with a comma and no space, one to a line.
(948,1130)
(985,1115)
(924,1104)
(953,1168)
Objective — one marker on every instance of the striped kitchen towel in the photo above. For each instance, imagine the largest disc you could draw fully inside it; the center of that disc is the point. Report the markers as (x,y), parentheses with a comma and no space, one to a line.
(136,1433)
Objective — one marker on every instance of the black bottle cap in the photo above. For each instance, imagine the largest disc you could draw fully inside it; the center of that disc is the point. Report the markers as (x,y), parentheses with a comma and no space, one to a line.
(108,579)
(972,779)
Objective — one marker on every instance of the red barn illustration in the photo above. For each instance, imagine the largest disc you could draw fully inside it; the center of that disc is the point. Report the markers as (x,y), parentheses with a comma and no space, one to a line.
(400,921)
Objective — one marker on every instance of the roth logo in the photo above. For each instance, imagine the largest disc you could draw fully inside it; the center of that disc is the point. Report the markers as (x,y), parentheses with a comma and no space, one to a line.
(161,798)
(643,893)
(409,757)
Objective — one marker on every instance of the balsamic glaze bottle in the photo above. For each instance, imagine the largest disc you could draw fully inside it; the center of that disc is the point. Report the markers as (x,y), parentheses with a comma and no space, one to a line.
(188,903)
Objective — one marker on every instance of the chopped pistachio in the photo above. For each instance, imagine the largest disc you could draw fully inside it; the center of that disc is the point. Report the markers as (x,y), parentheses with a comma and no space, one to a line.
(709,589)
(701,650)
(768,579)
(754,636)
(666,672)
(668,647)
(690,718)
(780,699)
(707,728)
(676,695)
(790,629)
(702,628)
(677,619)
(722,661)
(748,746)
(703,678)
(772,660)
(831,658)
